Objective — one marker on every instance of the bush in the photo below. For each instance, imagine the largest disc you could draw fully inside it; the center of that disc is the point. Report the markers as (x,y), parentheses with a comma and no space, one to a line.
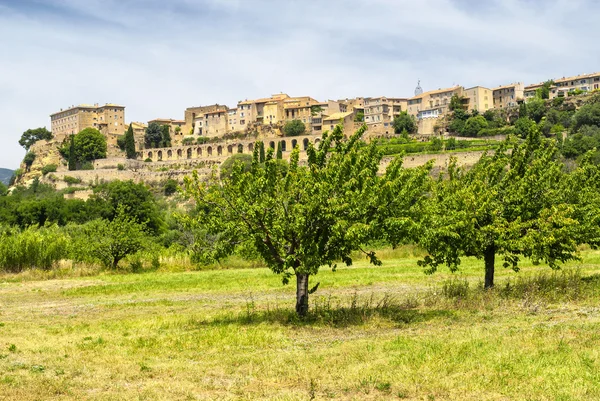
(294,128)
(227,165)
(170,187)
(29,159)
(71,180)
(120,167)
(89,144)
(32,248)
(148,160)
(496,131)
(87,166)
(121,142)
(474,125)
(49,168)
(188,141)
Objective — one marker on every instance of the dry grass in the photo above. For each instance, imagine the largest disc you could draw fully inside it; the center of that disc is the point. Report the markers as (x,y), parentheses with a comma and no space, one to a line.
(373,334)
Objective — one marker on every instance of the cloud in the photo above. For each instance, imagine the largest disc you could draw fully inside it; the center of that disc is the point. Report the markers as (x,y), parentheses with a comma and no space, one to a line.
(158,57)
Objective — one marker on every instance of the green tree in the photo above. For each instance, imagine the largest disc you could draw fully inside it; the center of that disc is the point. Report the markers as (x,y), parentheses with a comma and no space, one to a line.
(359,117)
(475,124)
(261,151)
(115,239)
(456,103)
(166,136)
(170,187)
(28,160)
(544,91)
(300,218)
(90,145)
(294,128)
(153,136)
(31,136)
(228,165)
(523,126)
(3,189)
(509,203)
(588,114)
(279,154)
(72,157)
(523,110)
(536,109)
(130,143)
(404,121)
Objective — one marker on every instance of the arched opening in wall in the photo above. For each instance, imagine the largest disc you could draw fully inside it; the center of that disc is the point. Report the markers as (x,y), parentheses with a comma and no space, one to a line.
(149,155)
(169,154)
(159,154)
(294,143)
(283,146)
(189,153)
(317,142)
(219,150)
(209,150)
(305,143)
(198,152)
(251,147)
(240,148)
(272,145)
(179,153)
(229,149)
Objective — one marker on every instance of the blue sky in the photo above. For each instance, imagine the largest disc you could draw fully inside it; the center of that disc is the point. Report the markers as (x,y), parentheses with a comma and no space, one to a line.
(158,57)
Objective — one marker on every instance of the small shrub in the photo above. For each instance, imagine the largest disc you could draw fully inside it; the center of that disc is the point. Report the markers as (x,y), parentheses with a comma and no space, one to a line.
(120,167)
(49,168)
(71,180)
(87,166)
(148,160)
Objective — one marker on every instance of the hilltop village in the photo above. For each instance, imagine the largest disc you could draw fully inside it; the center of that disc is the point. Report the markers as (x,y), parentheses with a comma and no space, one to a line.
(207,135)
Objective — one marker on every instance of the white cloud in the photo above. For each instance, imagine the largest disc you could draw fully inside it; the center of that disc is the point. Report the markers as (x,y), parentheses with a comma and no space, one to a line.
(159,57)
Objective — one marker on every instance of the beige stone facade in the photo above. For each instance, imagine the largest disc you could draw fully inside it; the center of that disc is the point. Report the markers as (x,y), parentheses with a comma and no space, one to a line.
(478,98)
(508,95)
(431,106)
(586,83)
(346,119)
(381,111)
(108,119)
(195,114)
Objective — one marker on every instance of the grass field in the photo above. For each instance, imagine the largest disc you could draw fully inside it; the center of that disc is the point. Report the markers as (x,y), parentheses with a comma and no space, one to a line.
(373,333)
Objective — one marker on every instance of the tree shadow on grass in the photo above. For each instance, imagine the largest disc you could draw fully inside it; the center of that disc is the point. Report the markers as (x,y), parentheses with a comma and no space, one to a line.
(328,312)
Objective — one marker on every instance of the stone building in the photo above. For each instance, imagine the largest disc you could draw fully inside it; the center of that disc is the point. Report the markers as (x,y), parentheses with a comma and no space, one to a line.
(478,98)
(428,107)
(508,95)
(108,119)
(192,115)
(585,83)
(381,111)
(346,119)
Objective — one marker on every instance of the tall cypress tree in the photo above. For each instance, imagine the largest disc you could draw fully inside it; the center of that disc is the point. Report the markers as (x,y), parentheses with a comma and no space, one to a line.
(261,152)
(72,155)
(130,143)
(279,151)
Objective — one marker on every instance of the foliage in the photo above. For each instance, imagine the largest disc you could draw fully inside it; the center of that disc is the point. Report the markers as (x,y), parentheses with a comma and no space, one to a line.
(29,159)
(130,143)
(153,136)
(120,167)
(3,189)
(456,103)
(436,145)
(71,180)
(31,136)
(32,247)
(510,204)
(294,128)
(474,125)
(359,117)
(536,109)
(170,187)
(588,114)
(166,136)
(303,217)
(121,142)
(89,145)
(72,157)
(227,167)
(49,168)
(587,139)
(316,109)
(544,91)
(279,154)
(114,239)
(523,126)
(404,121)
(188,140)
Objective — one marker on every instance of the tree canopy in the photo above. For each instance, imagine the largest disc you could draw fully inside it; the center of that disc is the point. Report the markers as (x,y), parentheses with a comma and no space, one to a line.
(90,145)
(154,135)
(404,122)
(31,136)
(130,143)
(510,203)
(299,218)
(294,128)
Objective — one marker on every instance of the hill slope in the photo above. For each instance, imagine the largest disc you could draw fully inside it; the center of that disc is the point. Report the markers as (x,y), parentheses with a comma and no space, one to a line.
(5,175)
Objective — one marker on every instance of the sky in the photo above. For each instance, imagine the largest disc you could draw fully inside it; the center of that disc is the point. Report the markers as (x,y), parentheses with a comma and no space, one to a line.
(158,57)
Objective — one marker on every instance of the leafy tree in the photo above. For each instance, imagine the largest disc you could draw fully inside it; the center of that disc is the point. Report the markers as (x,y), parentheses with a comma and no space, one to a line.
(544,91)
(509,203)
(523,126)
(279,154)
(316,109)
(456,103)
(166,136)
(121,142)
(177,131)
(136,199)
(31,136)
(436,144)
(474,125)
(117,238)
(130,143)
(153,136)
(170,187)
(3,189)
(359,117)
(404,121)
(261,151)
(588,114)
(303,217)
(28,160)
(536,109)
(294,128)
(228,165)
(90,145)
(523,110)
(72,157)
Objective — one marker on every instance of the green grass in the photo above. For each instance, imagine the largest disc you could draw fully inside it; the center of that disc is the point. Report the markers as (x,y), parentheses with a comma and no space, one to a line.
(373,333)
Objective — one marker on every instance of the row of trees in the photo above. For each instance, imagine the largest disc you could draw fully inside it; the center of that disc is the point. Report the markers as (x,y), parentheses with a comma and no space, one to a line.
(512,204)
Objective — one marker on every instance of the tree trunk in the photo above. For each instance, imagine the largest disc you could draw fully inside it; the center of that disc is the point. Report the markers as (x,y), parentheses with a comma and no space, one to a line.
(301,294)
(490,258)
